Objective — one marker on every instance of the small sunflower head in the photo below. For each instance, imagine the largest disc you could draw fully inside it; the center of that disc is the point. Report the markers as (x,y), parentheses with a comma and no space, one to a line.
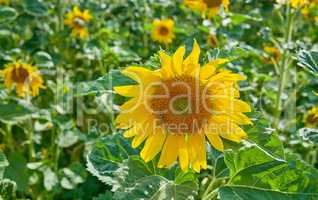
(77,20)
(25,78)
(311,117)
(273,52)
(176,109)
(162,31)
(208,8)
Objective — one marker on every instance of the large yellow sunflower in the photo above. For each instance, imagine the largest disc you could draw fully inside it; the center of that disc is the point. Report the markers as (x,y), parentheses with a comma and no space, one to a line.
(176,108)
(162,31)
(77,20)
(208,7)
(25,77)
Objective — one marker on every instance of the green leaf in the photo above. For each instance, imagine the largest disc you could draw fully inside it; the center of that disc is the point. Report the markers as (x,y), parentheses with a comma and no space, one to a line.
(14,111)
(137,180)
(50,179)
(18,171)
(250,193)
(43,59)
(7,14)
(237,18)
(308,60)
(103,84)
(3,163)
(7,189)
(108,195)
(35,7)
(309,134)
(107,154)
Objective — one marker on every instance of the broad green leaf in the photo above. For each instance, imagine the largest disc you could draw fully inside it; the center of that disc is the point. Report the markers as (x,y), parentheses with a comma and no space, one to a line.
(308,60)
(7,14)
(237,18)
(251,193)
(7,189)
(35,7)
(14,111)
(43,59)
(106,156)
(18,171)
(309,134)
(108,195)
(3,163)
(103,84)
(137,180)
(50,179)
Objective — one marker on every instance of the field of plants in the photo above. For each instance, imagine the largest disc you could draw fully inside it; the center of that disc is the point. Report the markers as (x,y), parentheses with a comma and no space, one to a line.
(159,99)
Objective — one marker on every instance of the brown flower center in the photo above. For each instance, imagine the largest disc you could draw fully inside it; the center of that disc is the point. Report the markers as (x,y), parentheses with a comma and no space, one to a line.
(163,30)
(181,105)
(213,3)
(312,119)
(20,75)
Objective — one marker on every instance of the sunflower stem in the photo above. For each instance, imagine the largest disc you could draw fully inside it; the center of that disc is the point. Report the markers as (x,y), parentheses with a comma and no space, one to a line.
(284,67)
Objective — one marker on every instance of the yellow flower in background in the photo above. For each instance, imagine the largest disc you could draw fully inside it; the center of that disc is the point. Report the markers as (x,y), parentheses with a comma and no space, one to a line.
(77,20)
(273,52)
(162,31)
(24,77)
(175,109)
(212,40)
(311,117)
(4,2)
(298,3)
(208,7)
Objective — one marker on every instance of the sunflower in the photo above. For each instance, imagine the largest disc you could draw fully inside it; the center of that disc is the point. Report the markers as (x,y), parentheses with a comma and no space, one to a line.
(311,117)
(207,7)
(273,52)
(26,78)
(162,31)
(176,108)
(77,20)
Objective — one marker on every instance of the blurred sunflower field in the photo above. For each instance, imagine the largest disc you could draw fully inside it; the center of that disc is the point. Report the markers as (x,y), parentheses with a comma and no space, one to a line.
(159,100)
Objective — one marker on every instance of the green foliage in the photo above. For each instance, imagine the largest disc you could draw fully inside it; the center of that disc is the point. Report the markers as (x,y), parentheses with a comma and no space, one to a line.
(249,193)
(308,60)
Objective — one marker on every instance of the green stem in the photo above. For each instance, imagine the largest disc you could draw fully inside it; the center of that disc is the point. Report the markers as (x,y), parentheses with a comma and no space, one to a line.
(211,195)
(284,68)
(30,135)
(208,189)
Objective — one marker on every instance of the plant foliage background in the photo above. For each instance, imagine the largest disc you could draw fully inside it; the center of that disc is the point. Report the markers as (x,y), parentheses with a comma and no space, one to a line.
(63,144)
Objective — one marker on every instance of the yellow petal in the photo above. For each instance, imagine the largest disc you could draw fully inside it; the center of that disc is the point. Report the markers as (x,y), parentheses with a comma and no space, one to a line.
(166,63)
(229,105)
(169,152)
(177,60)
(215,141)
(128,118)
(183,153)
(128,90)
(153,145)
(141,74)
(193,57)
(227,76)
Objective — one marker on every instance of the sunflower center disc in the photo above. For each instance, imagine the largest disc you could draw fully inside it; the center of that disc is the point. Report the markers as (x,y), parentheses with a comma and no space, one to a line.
(180,105)
(20,75)
(163,30)
(213,3)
